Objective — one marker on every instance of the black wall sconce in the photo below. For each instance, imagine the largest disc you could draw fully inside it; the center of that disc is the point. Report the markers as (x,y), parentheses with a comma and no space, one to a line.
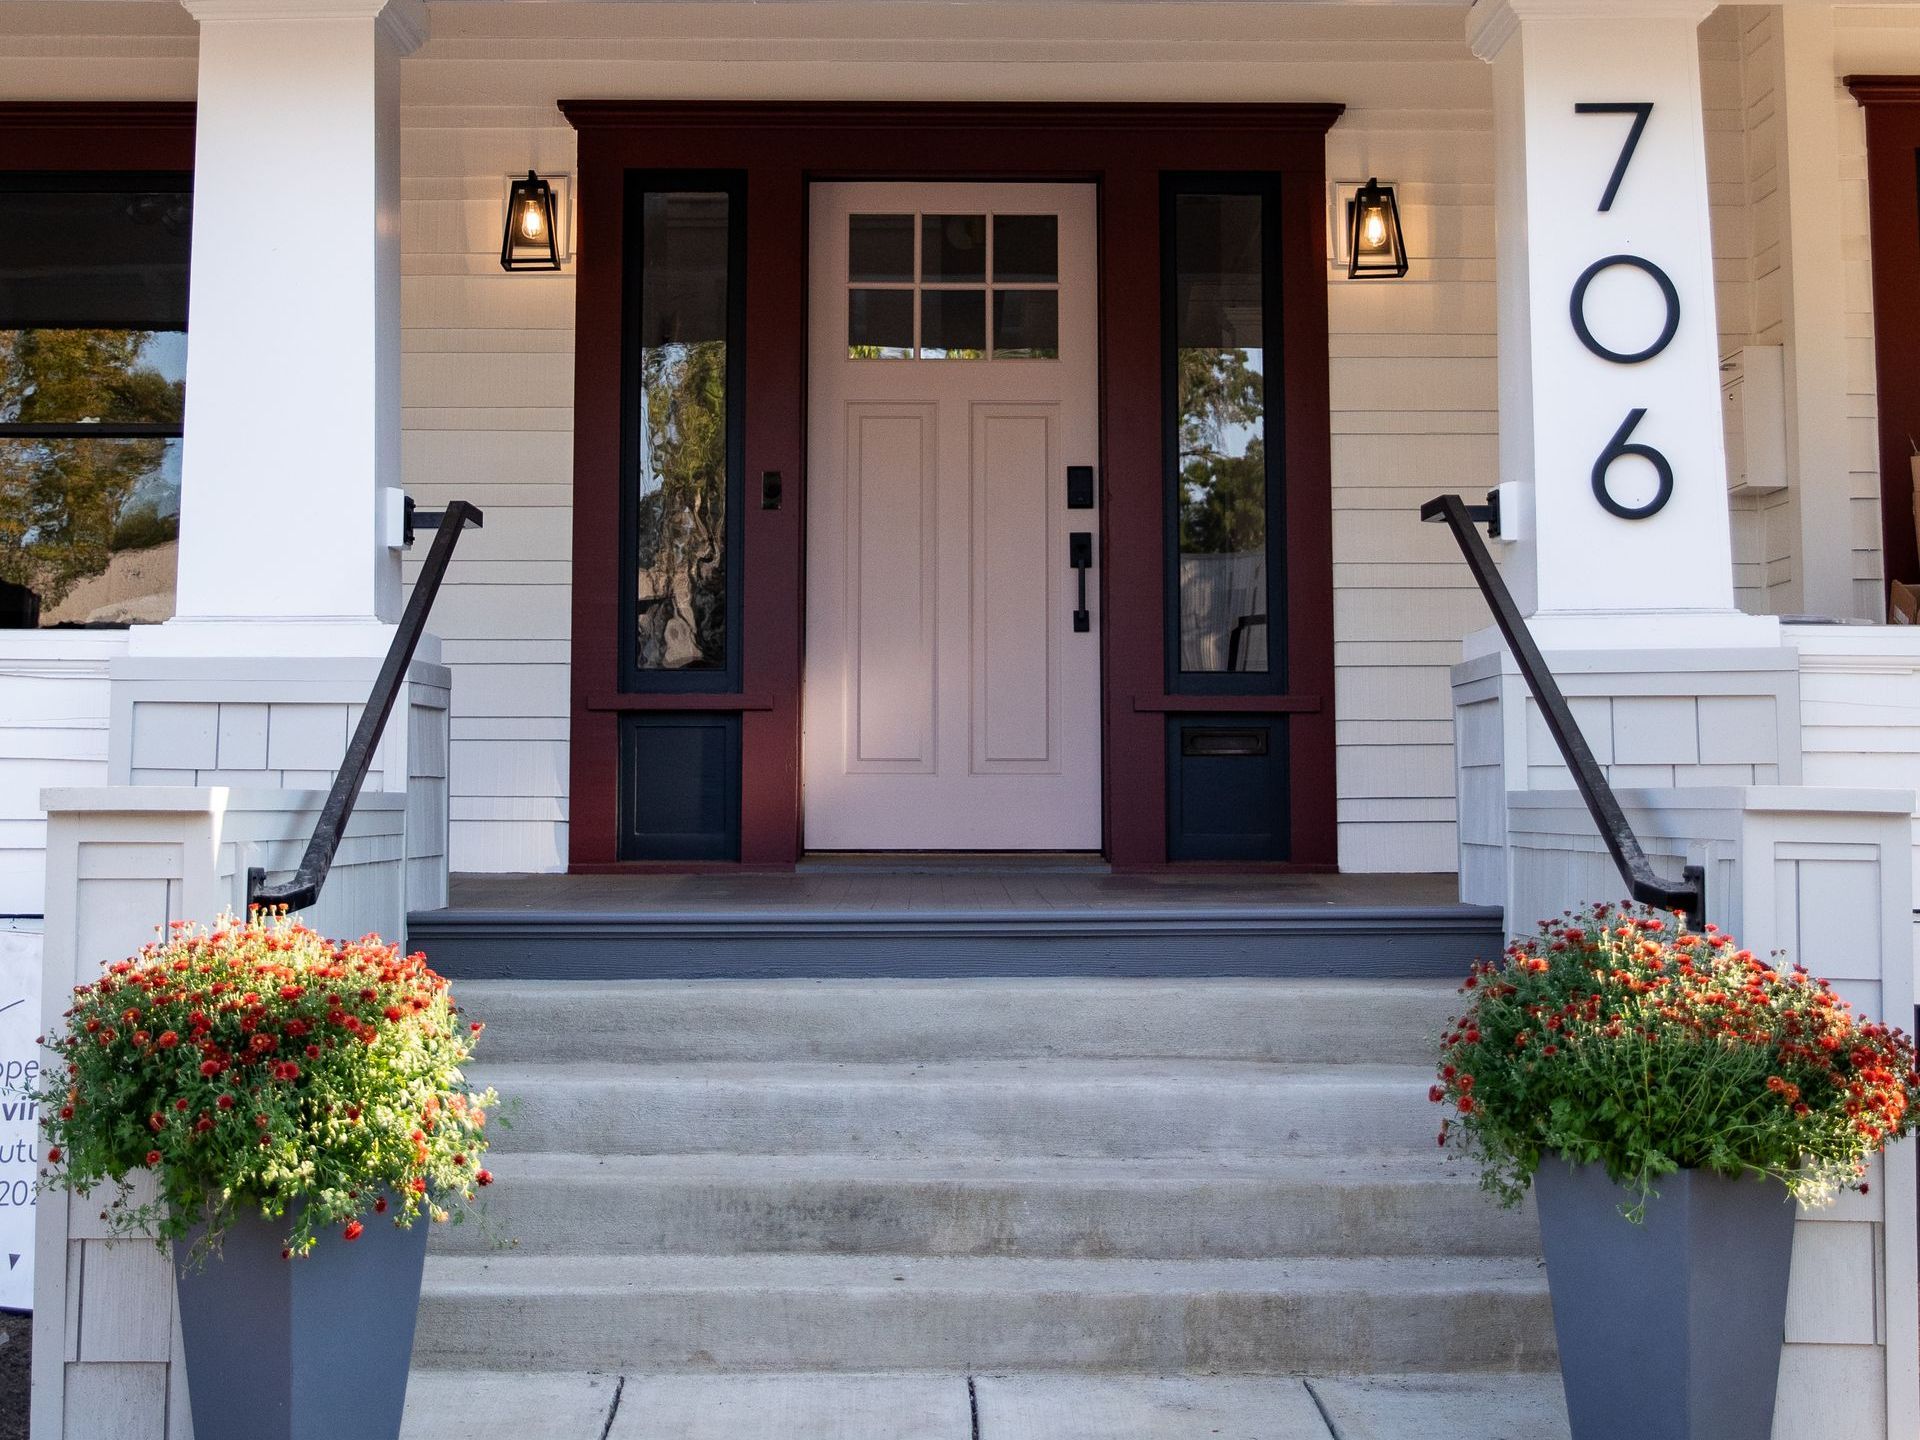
(1376,246)
(532,239)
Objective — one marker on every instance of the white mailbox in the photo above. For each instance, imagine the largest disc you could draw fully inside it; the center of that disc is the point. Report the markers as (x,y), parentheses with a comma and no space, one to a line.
(1753,397)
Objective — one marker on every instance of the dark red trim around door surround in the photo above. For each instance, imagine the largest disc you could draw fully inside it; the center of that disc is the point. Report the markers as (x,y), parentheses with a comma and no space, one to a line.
(1122,148)
(96,135)
(1892,103)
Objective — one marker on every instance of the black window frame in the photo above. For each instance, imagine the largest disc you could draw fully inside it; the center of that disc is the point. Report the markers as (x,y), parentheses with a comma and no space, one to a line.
(1267,186)
(86,182)
(718,680)
(16,603)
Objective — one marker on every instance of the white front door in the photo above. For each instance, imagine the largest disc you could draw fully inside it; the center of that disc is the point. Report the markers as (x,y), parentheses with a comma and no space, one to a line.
(951,701)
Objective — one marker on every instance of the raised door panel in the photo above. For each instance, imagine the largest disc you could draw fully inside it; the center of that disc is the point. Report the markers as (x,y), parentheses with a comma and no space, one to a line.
(892,575)
(1012,565)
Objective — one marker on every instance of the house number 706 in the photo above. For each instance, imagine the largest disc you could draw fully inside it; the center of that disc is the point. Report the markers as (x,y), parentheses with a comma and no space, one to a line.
(1623,443)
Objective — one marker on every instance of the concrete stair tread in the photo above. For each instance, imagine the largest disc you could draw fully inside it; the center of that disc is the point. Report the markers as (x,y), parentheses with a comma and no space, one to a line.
(581,1275)
(1353,1168)
(1023,1071)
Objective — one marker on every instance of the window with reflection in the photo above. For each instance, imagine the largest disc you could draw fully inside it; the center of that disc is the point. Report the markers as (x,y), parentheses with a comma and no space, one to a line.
(683,437)
(93,357)
(1223,502)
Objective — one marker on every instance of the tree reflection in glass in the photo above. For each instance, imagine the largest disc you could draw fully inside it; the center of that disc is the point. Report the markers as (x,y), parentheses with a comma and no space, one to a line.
(681,514)
(1223,510)
(1221,467)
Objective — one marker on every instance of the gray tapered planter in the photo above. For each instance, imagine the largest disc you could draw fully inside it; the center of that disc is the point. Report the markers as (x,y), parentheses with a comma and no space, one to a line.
(312,1349)
(1671,1329)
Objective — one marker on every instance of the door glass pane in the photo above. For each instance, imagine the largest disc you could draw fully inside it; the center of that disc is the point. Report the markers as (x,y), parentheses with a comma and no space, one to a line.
(682,461)
(1026,249)
(953,324)
(953,248)
(1026,324)
(880,248)
(880,324)
(1220,397)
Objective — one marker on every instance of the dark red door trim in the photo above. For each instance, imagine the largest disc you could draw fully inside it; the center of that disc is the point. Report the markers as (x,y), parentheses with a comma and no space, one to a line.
(1892,104)
(96,135)
(1123,149)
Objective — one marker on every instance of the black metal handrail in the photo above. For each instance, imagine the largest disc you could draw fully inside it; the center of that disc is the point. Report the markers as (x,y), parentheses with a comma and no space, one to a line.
(304,888)
(1688,895)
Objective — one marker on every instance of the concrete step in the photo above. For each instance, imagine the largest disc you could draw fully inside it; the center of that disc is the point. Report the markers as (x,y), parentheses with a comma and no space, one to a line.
(1353,1205)
(1125,1109)
(571,1405)
(785,1312)
(867,1021)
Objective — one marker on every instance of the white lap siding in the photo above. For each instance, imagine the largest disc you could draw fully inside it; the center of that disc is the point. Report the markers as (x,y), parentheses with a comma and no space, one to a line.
(487,397)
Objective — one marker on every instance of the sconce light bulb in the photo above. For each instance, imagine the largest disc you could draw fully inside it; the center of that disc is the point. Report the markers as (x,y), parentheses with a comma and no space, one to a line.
(1373,228)
(533,220)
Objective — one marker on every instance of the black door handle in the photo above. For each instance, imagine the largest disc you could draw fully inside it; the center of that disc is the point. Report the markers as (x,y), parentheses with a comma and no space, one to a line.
(1080,556)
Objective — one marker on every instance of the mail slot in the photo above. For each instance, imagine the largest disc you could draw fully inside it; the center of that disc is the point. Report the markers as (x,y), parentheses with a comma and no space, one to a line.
(1227,788)
(1194,740)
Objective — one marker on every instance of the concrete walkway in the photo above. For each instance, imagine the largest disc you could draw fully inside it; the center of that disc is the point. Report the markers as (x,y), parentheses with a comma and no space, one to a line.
(442,1405)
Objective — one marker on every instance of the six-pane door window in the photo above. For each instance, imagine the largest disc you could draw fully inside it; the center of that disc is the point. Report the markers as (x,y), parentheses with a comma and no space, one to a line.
(953,287)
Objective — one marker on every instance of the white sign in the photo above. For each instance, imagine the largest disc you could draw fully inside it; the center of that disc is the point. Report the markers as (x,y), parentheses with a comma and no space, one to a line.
(19,1124)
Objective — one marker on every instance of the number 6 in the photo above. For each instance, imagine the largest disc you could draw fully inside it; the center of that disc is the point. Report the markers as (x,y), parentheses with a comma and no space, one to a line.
(1620,446)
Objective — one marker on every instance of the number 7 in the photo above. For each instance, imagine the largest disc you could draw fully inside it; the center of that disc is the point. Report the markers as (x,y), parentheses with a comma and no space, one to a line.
(1640,110)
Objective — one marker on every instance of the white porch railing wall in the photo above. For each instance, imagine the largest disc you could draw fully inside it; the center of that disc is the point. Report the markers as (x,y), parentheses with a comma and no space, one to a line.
(122,861)
(53,731)
(1823,875)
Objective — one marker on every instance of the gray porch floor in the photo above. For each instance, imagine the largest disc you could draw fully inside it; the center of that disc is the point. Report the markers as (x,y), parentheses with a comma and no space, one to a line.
(442,1405)
(983,886)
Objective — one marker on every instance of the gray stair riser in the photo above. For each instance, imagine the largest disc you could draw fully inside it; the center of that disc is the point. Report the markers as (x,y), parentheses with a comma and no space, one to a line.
(874,1329)
(1022,1112)
(750,944)
(1209,1217)
(876,1021)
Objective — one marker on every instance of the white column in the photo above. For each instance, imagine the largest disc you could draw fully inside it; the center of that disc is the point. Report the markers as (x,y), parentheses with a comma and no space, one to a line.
(293,386)
(1591,577)
(1814,287)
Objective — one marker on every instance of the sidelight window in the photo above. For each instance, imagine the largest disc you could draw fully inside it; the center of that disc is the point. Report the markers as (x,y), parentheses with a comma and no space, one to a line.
(953,287)
(1226,551)
(682,456)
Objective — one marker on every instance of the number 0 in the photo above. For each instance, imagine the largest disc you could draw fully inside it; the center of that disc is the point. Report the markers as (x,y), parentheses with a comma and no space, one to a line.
(1668,292)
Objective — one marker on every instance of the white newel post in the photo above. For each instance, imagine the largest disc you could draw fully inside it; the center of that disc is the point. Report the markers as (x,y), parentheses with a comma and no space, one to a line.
(289,574)
(1609,373)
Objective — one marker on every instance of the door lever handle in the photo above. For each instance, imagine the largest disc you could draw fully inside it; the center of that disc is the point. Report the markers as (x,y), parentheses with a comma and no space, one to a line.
(1080,556)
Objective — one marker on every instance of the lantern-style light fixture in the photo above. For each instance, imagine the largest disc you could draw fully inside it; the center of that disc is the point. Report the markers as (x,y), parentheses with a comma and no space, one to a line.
(1376,247)
(532,241)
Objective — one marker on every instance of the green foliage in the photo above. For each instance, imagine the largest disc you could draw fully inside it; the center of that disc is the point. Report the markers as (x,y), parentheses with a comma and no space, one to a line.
(1223,470)
(144,527)
(61,500)
(1611,1039)
(260,1064)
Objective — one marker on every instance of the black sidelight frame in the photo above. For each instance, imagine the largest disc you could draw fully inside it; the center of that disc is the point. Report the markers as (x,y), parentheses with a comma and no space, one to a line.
(718,680)
(1272,680)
